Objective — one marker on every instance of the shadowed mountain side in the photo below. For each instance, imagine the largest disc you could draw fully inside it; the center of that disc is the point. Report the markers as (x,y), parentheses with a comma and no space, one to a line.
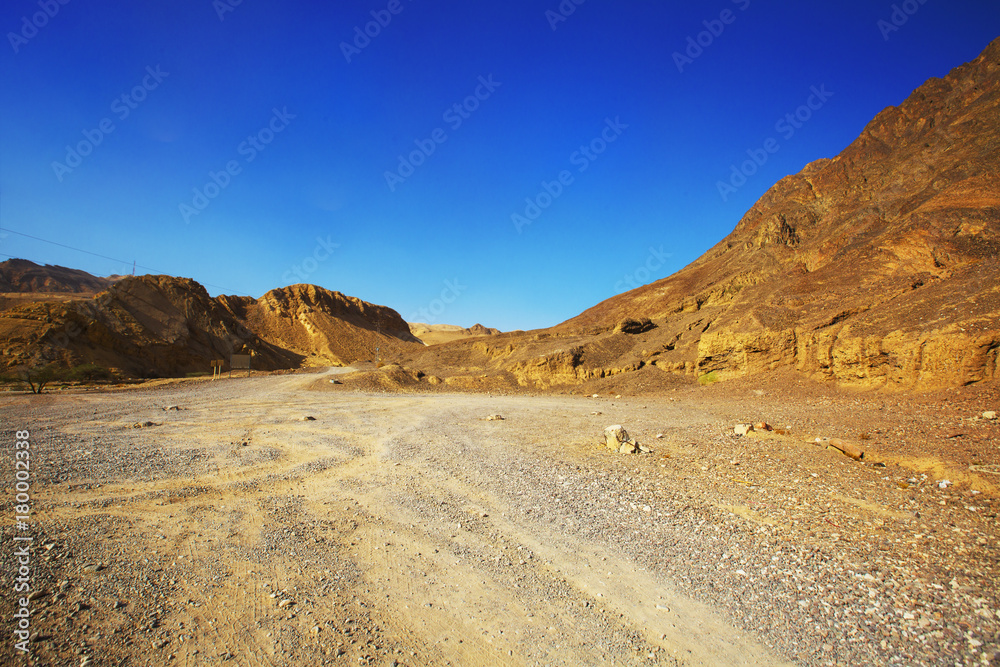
(21,275)
(876,268)
(146,326)
(161,325)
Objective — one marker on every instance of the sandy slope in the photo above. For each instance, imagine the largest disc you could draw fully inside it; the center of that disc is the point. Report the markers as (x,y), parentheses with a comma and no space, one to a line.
(409,529)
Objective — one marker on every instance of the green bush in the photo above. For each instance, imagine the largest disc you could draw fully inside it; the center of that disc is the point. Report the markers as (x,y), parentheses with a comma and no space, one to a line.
(89,373)
(709,378)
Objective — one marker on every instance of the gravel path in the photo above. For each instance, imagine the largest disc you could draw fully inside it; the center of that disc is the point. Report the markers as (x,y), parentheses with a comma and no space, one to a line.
(407,529)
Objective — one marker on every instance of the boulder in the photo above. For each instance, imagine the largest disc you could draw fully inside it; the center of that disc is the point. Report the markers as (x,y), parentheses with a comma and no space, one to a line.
(616,439)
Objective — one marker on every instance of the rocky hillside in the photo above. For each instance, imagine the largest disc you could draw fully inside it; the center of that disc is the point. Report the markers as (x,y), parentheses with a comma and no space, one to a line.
(164,326)
(323,327)
(879,267)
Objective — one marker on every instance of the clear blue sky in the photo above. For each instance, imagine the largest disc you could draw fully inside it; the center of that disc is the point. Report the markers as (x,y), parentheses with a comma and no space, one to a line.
(313,192)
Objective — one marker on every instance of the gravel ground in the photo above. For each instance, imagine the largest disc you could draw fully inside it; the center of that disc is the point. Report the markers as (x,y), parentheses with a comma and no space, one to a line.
(407,529)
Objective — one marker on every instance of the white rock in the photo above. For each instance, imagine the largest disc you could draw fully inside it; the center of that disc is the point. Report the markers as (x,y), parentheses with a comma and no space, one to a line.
(742,429)
(991,415)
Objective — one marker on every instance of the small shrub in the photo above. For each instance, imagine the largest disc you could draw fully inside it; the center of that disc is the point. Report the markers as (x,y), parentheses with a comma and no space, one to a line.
(89,373)
(709,378)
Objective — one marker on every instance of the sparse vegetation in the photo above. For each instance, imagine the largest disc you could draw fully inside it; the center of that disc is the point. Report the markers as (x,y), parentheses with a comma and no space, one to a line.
(89,373)
(708,378)
(39,376)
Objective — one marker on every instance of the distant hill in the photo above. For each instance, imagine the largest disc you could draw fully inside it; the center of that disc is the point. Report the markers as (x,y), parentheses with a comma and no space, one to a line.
(165,326)
(21,275)
(435,334)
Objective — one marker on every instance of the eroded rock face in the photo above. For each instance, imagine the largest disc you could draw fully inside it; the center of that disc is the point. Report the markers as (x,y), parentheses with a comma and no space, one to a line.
(165,326)
(879,267)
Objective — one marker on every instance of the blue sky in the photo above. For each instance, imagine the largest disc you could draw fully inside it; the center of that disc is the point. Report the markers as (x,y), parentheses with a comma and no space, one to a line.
(255,145)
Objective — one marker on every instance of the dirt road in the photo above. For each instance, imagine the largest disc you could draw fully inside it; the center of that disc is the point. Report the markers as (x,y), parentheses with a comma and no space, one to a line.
(267,523)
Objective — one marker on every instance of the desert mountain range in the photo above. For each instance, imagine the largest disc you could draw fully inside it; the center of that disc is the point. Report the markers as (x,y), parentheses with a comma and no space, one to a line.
(878,267)
(162,325)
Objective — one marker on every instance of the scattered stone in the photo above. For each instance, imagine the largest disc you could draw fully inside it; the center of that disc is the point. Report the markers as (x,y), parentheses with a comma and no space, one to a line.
(616,439)
(659,435)
(171,407)
(308,418)
(762,426)
(595,412)
(991,415)
(846,448)
(944,483)
(145,424)
(336,382)
(495,418)
(285,603)
(742,429)
(595,395)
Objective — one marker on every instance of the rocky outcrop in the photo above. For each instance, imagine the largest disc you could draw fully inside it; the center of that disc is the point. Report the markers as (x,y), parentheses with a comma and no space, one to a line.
(151,326)
(322,326)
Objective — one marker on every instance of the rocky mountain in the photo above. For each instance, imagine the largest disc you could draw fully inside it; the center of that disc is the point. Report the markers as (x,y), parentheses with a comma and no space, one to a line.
(165,326)
(879,267)
(323,327)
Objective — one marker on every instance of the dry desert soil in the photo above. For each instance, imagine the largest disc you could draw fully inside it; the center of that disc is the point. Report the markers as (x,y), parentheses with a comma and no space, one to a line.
(285,520)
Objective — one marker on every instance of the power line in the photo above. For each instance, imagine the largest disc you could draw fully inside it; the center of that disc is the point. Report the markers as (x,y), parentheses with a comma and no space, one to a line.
(113,259)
